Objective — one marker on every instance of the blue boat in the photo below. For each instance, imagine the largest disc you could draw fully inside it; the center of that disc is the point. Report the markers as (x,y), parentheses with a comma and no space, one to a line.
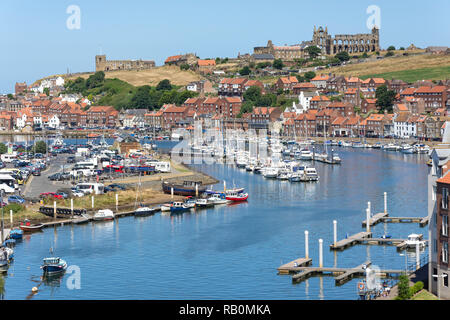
(179,207)
(16,233)
(53,266)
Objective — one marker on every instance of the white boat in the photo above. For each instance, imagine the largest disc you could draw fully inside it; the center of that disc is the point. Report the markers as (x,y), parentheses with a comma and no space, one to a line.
(103,214)
(414,240)
(218,199)
(203,203)
(142,211)
(166,207)
(311,174)
(283,175)
(408,149)
(270,173)
(305,154)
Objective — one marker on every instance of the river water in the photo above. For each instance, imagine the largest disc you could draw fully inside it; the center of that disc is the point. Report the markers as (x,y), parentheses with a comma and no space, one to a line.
(232,251)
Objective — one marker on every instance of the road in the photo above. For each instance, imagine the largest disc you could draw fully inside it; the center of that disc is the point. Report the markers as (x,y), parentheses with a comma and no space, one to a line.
(39,184)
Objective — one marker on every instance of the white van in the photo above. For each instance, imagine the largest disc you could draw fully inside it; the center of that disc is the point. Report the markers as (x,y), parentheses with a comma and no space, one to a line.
(8,157)
(8,184)
(91,188)
(160,166)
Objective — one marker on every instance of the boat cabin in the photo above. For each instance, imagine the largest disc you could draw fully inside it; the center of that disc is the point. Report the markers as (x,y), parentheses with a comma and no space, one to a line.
(51,261)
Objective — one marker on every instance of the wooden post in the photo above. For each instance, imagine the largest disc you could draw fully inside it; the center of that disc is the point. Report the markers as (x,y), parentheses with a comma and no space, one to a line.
(54,210)
(171,192)
(335,231)
(367,220)
(71,207)
(320,253)
(385,202)
(369,207)
(117,202)
(306,244)
(224,185)
(92,199)
(196,190)
(11,218)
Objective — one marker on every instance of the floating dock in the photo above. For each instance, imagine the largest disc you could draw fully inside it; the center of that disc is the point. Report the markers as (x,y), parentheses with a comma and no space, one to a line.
(384,217)
(350,241)
(375,219)
(291,266)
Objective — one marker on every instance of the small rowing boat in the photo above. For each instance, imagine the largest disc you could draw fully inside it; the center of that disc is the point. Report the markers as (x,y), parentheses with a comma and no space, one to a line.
(26,226)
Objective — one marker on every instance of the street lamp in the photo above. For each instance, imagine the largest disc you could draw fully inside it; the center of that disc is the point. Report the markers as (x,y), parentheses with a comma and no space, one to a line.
(438,285)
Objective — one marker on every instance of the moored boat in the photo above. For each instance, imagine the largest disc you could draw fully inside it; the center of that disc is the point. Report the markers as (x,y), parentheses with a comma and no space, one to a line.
(16,233)
(144,211)
(103,215)
(188,188)
(53,265)
(26,226)
(235,197)
(179,207)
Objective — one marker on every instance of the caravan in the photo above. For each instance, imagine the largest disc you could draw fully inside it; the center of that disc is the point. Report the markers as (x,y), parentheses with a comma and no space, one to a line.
(90,188)
(8,158)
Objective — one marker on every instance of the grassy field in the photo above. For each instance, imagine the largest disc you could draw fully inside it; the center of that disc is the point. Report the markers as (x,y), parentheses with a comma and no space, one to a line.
(151,77)
(424,295)
(408,68)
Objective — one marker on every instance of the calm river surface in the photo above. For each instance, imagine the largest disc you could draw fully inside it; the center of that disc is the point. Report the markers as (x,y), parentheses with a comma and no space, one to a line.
(232,251)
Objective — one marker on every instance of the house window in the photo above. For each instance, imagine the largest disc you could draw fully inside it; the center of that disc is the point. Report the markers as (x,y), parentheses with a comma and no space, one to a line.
(444,198)
(445,276)
(445,225)
(445,252)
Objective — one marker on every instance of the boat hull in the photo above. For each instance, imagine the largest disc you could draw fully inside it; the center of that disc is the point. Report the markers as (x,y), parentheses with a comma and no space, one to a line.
(181,190)
(33,228)
(237,199)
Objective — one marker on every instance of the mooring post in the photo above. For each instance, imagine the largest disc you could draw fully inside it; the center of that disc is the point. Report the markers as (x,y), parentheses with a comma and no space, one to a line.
(54,210)
(224,185)
(171,192)
(335,231)
(71,207)
(369,207)
(196,190)
(306,245)
(117,202)
(367,220)
(92,200)
(320,253)
(11,218)
(385,202)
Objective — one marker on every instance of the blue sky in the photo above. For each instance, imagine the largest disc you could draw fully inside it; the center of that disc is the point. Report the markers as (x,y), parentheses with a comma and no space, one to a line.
(35,41)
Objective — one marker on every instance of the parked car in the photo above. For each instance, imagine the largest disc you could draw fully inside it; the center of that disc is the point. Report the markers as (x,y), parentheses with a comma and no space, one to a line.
(117,186)
(46,194)
(36,172)
(2,165)
(71,159)
(16,199)
(61,195)
(55,177)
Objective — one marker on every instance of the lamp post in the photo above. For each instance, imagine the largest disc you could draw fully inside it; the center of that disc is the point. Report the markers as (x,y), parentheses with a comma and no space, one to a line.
(438,284)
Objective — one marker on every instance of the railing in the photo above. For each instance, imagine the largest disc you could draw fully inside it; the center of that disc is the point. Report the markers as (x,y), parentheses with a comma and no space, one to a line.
(412,267)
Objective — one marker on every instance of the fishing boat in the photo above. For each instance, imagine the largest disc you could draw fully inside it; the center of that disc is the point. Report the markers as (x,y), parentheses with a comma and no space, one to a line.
(54,265)
(144,211)
(103,215)
(219,198)
(203,203)
(235,197)
(16,233)
(26,226)
(187,188)
(166,207)
(237,190)
(190,202)
(179,207)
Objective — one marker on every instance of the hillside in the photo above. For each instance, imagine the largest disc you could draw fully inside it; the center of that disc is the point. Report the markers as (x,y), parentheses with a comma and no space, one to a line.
(149,77)
(407,68)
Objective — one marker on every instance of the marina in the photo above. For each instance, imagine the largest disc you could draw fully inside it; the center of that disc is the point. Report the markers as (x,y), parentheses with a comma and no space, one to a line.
(302,208)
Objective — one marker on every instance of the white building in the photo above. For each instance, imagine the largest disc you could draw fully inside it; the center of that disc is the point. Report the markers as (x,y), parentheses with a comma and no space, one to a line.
(404,126)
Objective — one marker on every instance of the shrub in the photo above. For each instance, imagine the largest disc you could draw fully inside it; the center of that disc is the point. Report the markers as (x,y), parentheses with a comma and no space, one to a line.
(416,288)
(15,207)
(404,292)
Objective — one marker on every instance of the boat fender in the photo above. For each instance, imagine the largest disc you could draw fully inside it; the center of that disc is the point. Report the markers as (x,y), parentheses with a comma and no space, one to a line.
(34,289)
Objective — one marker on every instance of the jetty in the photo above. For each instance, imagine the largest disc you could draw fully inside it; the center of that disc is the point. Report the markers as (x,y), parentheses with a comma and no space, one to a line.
(384,217)
(350,241)
(293,265)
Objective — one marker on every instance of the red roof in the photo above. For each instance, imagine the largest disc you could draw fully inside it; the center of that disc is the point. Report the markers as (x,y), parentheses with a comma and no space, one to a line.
(204,63)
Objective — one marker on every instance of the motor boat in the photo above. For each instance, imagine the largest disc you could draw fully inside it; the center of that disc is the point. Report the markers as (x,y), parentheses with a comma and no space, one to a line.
(414,240)
(236,197)
(271,173)
(103,215)
(203,203)
(305,154)
(179,207)
(53,266)
(26,226)
(408,149)
(296,176)
(311,174)
(218,199)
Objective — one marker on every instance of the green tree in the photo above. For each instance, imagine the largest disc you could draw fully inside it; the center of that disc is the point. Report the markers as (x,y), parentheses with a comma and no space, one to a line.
(47,91)
(141,99)
(10,96)
(183,96)
(364,55)
(246,107)
(252,94)
(343,56)
(391,48)
(404,292)
(300,78)
(389,54)
(3,148)
(309,75)
(278,64)
(168,97)
(385,98)
(300,62)
(264,101)
(40,147)
(164,85)
(402,48)
(184,66)
(95,80)
(313,51)
(245,71)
